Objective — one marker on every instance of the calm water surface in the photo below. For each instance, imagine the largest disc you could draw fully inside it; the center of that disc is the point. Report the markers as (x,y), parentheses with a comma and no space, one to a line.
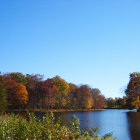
(124,124)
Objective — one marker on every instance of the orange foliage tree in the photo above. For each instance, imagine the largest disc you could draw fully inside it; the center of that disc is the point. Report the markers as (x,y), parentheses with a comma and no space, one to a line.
(57,89)
(17,94)
(86,97)
(133,91)
(72,100)
(99,99)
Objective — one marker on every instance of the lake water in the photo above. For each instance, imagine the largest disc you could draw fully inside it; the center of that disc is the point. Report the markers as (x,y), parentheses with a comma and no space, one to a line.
(125,124)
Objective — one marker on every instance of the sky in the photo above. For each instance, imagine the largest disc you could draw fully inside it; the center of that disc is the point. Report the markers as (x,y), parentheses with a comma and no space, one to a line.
(94,42)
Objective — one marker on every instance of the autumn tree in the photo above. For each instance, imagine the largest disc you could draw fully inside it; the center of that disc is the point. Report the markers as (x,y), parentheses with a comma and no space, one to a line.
(133,90)
(35,90)
(86,99)
(60,89)
(18,77)
(136,102)
(49,99)
(73,96)
(17,95)
(99,99)
(3,97)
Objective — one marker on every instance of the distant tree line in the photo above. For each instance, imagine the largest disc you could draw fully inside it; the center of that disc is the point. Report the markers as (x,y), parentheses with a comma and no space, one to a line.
(116,103)
(132,92)
(31,91)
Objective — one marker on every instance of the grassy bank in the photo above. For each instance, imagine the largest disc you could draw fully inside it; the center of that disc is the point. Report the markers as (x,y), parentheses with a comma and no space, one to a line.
(14,127)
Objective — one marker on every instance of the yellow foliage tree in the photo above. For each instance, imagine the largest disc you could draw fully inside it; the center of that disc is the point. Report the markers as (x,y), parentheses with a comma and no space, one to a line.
(136,102)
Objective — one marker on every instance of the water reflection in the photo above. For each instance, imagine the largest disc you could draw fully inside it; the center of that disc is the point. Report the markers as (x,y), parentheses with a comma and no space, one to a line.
(107,121)
(134,125)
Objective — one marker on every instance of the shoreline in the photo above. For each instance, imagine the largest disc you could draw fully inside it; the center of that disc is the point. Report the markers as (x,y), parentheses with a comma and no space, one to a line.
(53,110)
(57,110)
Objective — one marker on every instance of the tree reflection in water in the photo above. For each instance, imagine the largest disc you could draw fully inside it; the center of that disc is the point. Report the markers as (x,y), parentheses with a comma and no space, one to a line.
(134,125)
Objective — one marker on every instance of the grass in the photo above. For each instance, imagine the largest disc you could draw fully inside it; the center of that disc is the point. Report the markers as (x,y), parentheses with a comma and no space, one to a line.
(14,127)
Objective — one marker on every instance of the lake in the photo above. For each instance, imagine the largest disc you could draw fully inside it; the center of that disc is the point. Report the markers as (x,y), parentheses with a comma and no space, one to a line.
(125,124)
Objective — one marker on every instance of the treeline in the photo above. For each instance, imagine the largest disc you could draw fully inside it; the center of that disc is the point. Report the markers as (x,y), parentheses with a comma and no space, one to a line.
(116,103)
(19,91)
(31,91)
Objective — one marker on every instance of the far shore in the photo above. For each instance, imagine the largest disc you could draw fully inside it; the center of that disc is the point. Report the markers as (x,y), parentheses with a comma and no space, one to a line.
(58,110)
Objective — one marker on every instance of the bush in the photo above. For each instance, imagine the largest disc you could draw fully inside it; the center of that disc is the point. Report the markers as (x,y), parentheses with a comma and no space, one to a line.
(14,127)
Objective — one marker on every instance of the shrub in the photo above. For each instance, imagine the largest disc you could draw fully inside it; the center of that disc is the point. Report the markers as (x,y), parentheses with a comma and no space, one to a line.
(14,127)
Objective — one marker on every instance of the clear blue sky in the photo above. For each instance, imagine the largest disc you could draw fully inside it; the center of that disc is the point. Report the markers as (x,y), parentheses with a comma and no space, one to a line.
(95,42)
